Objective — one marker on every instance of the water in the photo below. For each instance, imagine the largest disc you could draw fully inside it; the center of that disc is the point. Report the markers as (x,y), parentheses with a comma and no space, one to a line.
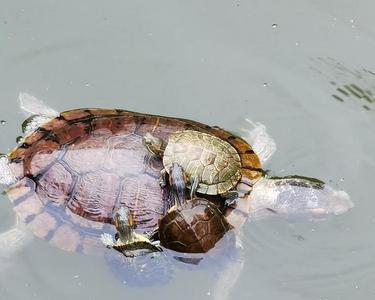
(209,62)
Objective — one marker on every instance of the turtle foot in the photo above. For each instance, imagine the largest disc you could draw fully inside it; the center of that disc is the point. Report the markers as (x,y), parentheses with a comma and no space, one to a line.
(256,134)
(30,105)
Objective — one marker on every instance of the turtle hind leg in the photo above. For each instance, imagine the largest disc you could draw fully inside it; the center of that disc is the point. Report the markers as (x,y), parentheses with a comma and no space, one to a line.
(30,105)
(262,143)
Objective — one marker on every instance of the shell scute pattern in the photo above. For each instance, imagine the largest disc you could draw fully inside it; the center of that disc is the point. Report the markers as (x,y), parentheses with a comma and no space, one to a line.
(42,224)
(56,184)
(215,161)
(87,155)
(95,196)
(142,196)
(123,152)
(194,228)
(76,169)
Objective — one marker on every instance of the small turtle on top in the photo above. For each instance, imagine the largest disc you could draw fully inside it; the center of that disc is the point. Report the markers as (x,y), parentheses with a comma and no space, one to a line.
(211,164)
(190,226)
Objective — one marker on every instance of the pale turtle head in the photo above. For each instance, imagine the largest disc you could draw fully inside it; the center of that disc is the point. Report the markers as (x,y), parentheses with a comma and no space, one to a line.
(128,242)
(153,144)
(123,222)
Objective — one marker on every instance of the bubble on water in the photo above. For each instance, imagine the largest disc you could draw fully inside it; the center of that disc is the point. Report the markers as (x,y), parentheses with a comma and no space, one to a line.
(209,293)
(342,179)
(274,25)
(3,122)
(265,84)
(297,43)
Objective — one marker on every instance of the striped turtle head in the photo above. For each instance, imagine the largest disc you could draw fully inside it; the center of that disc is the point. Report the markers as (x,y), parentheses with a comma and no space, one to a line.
(153,144)
(123,222)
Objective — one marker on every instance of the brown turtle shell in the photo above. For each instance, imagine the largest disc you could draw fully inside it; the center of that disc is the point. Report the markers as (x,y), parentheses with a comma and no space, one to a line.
(194,227)
(76,169)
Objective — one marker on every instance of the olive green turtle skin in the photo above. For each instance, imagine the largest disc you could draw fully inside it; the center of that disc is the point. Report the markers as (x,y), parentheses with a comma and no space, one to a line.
(213,160)
(194,227)
(75,170)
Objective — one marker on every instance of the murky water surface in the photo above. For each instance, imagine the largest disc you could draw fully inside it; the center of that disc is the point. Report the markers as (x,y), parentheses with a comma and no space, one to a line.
(304,69)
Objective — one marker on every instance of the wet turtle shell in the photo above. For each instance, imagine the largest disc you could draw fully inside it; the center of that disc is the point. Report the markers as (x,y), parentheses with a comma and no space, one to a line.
(215,161)
(76,169)
(194,227)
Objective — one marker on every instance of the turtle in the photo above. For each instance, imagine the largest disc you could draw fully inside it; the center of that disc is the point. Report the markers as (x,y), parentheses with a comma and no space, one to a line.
(195,226)
(126,240)
(211,164)
(190,226)
(72,170)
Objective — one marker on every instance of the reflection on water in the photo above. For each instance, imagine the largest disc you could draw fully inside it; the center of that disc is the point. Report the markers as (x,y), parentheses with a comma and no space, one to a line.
(357,86)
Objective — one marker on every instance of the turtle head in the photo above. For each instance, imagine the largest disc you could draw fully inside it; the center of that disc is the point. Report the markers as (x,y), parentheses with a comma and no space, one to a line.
(123,222)
(153,144)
